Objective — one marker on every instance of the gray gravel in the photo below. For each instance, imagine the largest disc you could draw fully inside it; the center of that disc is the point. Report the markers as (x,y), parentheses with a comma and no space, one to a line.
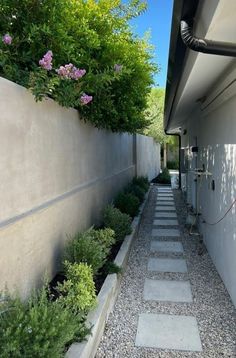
(212,306)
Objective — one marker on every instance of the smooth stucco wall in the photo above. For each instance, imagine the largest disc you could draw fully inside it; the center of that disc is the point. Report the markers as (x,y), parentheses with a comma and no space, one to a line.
(148,161)
(57,174)
(215,129)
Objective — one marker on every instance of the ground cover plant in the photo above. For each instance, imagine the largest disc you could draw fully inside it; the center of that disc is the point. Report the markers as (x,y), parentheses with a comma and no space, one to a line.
(82,54)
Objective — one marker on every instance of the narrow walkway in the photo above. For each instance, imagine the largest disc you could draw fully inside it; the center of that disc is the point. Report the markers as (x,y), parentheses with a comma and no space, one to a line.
(172,301)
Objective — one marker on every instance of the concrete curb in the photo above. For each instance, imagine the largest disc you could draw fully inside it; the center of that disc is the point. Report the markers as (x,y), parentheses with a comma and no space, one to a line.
(106,297)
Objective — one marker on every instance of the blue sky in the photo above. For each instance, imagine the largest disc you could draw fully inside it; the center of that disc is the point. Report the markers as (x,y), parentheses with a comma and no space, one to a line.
(157,18)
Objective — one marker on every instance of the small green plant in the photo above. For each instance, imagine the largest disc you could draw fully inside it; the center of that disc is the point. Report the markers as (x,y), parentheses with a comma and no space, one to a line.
(78,291)
(141,182)
(105,237)
(173,164)
(111,267)
(117,221)
(136,190)
(164,177)
(127,203)
(84,249)
(37,328)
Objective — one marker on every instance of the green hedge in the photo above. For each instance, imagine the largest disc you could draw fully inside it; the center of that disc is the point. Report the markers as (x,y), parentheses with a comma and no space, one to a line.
(92,36)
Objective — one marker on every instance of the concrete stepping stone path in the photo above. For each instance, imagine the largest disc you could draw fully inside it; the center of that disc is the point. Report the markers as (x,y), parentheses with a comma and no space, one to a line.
(167,290)
(167,265)
(165,232)
(165,214)
(165,208)
(167,222)
(166,246)
(165,331)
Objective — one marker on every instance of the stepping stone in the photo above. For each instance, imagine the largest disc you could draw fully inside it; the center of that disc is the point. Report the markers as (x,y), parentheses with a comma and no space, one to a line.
(165,208)
(165,331)
(162,198)
(166,232)
(167,265)
(167,290)
(167,246)
(168,203)
(164,214)
(165,222)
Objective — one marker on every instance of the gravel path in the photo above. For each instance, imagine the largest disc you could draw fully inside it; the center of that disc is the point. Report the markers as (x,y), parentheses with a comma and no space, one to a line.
(212,306)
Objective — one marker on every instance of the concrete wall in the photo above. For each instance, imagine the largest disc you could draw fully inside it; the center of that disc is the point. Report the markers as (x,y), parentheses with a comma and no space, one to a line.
(148,162)
(57,174)
(215,129)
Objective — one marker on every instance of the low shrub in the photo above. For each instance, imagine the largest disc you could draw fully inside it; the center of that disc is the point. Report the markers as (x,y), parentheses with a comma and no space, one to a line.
(173,164)
(111,267)
(78,291)
(127,203)
(106,237)
(37,328)
(141,182)
(136,190)
(84,249)
(117,221)
(163,177)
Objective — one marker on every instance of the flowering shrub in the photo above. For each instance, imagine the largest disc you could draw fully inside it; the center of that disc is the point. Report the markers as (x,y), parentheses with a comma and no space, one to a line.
(80,53)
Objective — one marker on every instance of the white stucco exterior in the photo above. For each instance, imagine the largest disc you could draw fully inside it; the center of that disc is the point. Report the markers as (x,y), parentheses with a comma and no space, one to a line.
(203,110)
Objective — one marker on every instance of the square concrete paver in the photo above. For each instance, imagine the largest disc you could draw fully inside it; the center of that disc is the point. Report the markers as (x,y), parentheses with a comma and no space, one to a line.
(164,198)
(165,203)
(165,208)
(166,232)
(165,331)
(166,290)
(166,246)
(165,222)
(165,214)
(167,265)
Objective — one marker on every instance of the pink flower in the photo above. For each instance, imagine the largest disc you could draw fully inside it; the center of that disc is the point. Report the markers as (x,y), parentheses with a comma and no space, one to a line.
(85,99)
(7,39)
(46,61)
(117,67)
(70,72)
(77,73)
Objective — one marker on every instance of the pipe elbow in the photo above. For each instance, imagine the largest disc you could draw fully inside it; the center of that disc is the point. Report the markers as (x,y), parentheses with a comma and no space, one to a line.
(189,40)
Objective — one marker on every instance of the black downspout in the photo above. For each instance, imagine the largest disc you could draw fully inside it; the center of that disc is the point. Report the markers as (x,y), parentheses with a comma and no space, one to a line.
(203,45)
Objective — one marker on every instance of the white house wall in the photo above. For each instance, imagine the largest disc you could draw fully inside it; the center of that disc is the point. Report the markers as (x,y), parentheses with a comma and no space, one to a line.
(215,129)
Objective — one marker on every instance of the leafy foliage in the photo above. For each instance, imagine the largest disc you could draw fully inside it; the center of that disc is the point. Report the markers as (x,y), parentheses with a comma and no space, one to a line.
(141,182)
(163,177)
(105,237)
(127,203)
(136,190)
(90,247)
(78,291)
(37,328)
(92,35)
(117,221)
(172,164)
(110,267)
